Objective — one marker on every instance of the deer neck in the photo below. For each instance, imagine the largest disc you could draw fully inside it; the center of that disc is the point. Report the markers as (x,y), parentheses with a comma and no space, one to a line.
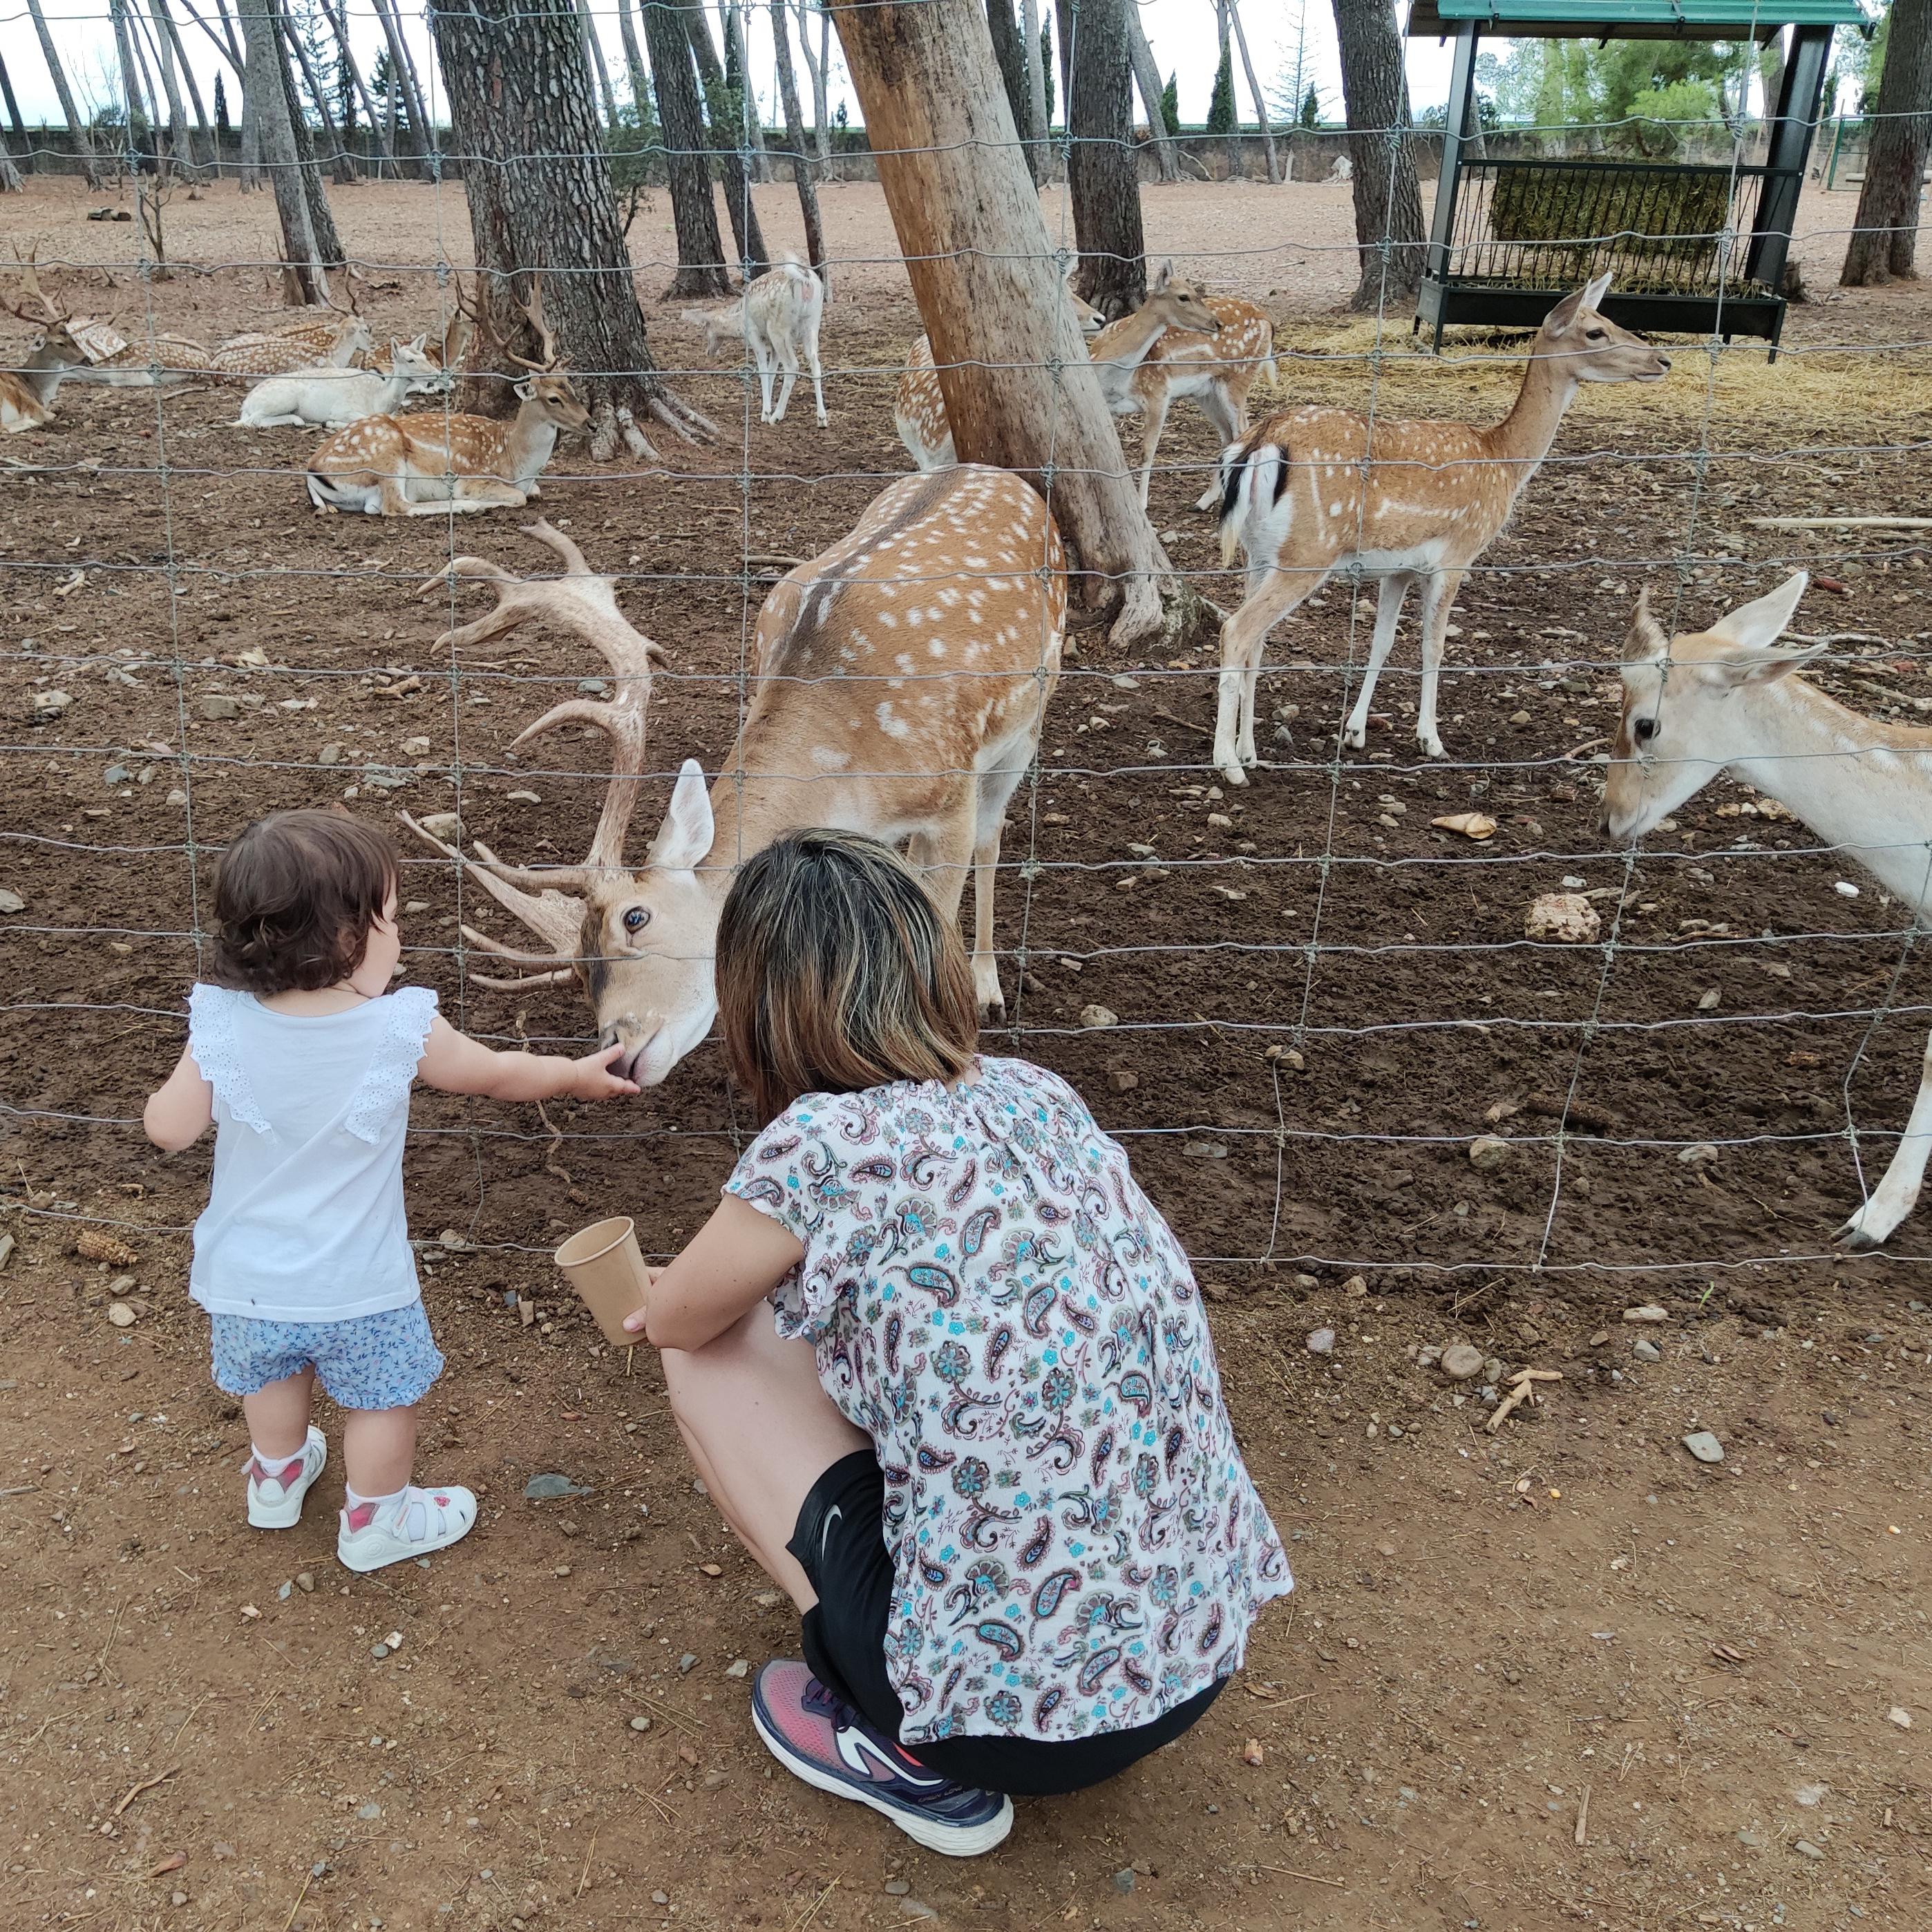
(529,442)
(1524,435)
(43,372)
(1858,784)
(1124,345)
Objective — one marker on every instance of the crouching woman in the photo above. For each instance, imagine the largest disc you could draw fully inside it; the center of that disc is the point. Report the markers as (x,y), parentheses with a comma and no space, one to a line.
(983,1446)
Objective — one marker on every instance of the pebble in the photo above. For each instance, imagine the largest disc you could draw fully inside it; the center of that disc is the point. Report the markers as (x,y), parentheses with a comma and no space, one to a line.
(548,1488)
(1493,1369)
(592,687)
(1846,890)
(1321,1342)
(1701,1155)
(1899,1715)
(897,1887)
(685,1663)
(641,1723)
(305,1582)
(215,706)
(1462,1362)
(1645,1350)
(379,1652)
(1705,1446)
(1205,1150)
(329,755)
(1098,1016)
(50,703)
(11,901)
(122,1315)
(1649,1311)
(443,825)
(1486,1151)
(1805,1849)
(285,1592)
(736,1667)
(1123,1879)
(369,1812)
(660,1898)
(116,775)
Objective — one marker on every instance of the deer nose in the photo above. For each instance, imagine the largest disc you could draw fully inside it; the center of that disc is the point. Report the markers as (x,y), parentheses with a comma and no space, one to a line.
(1663,363)
(635,1037)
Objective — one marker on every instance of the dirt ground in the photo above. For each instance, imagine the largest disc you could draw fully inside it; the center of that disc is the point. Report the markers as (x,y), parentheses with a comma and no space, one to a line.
(1558,1675)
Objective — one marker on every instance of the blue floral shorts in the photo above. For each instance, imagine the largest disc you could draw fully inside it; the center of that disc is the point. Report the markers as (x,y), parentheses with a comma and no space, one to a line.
(388,1360)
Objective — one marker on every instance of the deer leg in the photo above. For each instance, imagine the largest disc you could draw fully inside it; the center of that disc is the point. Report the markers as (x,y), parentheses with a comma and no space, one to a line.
(761,353)
(1230,419)
(1389,594)
(1243,636)
(1896,1195)
(818,386)
(1152,423)
(394,500)
(787,375)
(996,787)
(1438,599)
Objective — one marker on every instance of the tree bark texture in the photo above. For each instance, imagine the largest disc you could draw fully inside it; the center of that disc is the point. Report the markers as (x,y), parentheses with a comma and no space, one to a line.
(750,119)
(700,250)
(264,81)
(1009,50)
(1388,199)
(726,139)
(1147,78)
(341,162)
(336,13)
(815,65)
(176,60)
(76,127)
(1103,178)
(322,222)
(133,96)
(634,64)
(1040,159)
(1885,239)
(593,49)
(180,142)
(537,180)
(1020,390)
(801,156)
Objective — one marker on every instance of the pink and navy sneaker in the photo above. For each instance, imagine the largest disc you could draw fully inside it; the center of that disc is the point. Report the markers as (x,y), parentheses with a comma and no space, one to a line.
(828,1744)
(275,1491)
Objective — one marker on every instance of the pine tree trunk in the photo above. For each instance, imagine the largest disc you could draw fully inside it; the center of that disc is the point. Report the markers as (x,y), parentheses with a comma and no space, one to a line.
(133,98)
(726,140)
(157,58)
(751,119)
(1147,78)
(634,64)
(1885,235)
(801,157)
(337,13)
(1273,158)
(265,83)
(341,162)
(1009,50)
(1388,199)
(76,127)
(1020,391)
(541,198)
(821,135)
(402,77)
(700,250)
(1102,180)
(599,68)
(322,222)
(1040,158)
(16,185)
(181,64)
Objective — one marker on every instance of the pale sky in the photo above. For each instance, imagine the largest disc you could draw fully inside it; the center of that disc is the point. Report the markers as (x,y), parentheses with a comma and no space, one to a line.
(1181,33)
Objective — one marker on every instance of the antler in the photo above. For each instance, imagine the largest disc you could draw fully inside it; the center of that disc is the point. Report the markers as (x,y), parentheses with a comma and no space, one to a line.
(30,284)
(586,604)
(533,313)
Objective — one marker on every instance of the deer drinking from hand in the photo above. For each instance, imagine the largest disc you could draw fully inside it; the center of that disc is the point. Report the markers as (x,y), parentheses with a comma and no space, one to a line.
(1412,504)
(902,678)
(1724,699)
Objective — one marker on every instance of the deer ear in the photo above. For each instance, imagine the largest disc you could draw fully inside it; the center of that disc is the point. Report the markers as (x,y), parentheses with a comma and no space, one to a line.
(1163,277)
(686,834)
(526,389)
(1761,666)
(1594,292)
(1564,312)
(1755,625)
(1646,640)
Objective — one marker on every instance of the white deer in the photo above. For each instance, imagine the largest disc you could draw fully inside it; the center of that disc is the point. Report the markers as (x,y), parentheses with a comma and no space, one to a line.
(332,398)
(1312,491)
(1724,699)
(777,318)
(902,677)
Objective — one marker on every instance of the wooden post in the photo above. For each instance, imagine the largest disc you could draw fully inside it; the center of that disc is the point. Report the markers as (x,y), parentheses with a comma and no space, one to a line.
(1019,389)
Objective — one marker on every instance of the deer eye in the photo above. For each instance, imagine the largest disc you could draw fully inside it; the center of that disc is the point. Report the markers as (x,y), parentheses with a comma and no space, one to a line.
(1646,729)
(637,919)
(1593,335)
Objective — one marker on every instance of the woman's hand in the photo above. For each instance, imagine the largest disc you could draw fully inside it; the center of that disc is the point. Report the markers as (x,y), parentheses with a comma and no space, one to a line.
(634,1324)
(731,1264)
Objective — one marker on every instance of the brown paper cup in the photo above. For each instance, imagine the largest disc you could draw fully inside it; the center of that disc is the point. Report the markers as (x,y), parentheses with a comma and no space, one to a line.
(604,1265)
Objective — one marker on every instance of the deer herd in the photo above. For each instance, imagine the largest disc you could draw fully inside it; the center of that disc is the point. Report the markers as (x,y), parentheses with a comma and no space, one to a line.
(900,679)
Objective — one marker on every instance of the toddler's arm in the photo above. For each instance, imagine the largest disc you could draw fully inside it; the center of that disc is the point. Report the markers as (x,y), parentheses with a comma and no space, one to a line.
(458,1064)
(181,1108)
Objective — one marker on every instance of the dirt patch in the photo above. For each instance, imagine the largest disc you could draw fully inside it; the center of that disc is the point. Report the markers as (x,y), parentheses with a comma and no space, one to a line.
(1489,1626)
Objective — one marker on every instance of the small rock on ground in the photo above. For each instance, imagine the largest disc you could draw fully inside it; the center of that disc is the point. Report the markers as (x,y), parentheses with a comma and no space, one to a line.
(1462,1362)
(1705,1446)
(1321,1342)
(1645,1350)
(1485,1150)
(549,1488)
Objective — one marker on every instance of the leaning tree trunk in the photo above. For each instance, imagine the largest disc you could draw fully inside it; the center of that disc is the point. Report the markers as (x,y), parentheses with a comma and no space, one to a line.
(537,180)
(153,41)
(750,119)
(1268,149)
(1102,180)
(9,175)
(815,65)
(336,12)
(177,61)
(305,279)
(727,142)
(600,69)
(1885,234)
(76,127)
(634,64)
(1020,390)
(341,162)
(801,157)
(402,78)
(308,173)
(1009,50)
(1388,201)
(1037,124)
(700,250)
(133,96)
(1147,78)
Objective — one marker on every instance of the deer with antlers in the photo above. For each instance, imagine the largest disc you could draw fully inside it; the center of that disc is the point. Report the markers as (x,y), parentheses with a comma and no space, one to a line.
(1409,503)
(1118,350)
(901,680)
(1724,699)
(430,465)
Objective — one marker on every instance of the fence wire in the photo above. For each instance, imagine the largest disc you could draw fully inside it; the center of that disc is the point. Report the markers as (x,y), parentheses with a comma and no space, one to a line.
(1266,1031)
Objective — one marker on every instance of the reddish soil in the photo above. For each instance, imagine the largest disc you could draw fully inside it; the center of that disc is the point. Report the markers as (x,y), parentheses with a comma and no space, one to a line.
(1489,1627)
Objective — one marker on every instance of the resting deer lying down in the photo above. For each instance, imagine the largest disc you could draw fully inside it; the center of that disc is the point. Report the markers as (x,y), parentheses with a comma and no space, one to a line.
(901,679)
(1724,699)
(1312,491)
(331,398)
(331,341)
(27,394)
(777,318)
(429,465)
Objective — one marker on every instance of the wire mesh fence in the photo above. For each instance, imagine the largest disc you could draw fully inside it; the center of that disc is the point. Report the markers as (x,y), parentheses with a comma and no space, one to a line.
(1309,1002)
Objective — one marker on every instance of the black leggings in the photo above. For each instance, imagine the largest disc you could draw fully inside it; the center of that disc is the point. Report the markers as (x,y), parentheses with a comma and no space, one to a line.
(840,1543)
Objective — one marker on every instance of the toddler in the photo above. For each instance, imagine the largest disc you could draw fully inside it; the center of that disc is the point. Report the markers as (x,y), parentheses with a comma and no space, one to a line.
(303,1059)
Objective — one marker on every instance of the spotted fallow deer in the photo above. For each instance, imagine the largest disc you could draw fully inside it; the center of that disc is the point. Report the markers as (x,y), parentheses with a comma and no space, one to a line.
(27,394)
(1724,699)
(902,678)
(1312,491)
(919,408)
(777,318)
(329,341)
(1216,371)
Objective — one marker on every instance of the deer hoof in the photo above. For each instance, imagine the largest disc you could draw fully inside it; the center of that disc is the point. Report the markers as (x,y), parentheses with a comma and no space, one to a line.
(1854,1239)
(1232,772)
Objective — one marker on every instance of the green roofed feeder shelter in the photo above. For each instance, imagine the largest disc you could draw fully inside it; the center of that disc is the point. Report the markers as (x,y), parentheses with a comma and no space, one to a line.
(1692,248)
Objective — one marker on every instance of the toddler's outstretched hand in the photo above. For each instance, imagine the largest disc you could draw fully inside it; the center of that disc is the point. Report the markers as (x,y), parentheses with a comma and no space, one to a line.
(591,1079)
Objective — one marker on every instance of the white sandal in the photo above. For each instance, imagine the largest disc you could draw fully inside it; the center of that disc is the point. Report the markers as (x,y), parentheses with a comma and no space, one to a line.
(418,1522)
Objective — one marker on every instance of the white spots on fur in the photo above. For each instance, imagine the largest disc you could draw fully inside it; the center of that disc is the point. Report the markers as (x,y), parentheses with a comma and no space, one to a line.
(828,759)
(889,722)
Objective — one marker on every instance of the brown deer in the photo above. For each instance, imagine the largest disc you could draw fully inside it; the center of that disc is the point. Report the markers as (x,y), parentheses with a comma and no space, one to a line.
(27,394)
(901,679)
(1315,490)
(1217,371)
(329,339)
